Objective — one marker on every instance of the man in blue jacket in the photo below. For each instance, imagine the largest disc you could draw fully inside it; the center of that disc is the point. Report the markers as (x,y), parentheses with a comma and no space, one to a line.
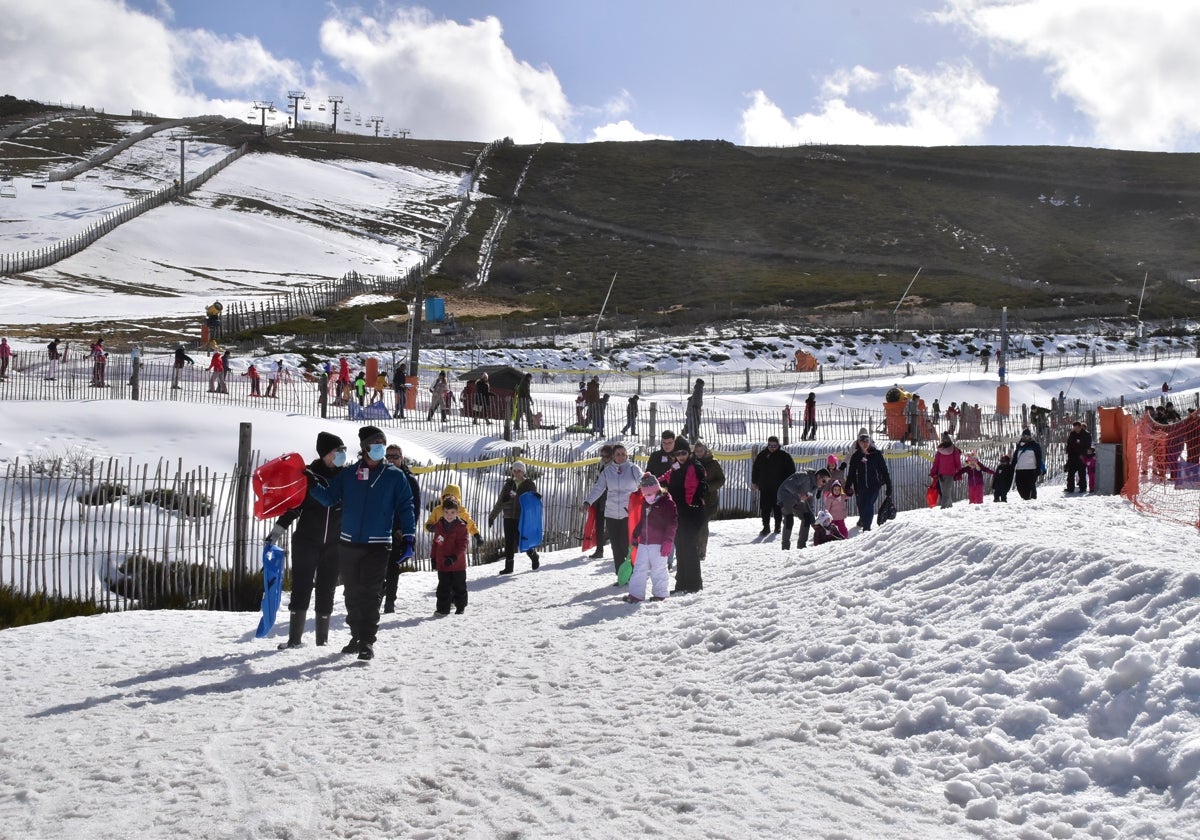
(373,493)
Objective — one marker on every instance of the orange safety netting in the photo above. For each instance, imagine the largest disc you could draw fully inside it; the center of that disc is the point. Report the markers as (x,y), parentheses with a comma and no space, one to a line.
(1161,464)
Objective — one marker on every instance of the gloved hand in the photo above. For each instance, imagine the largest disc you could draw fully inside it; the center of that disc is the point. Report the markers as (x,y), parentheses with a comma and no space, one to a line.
(478,540)
(429,527)
(313,478)
(408,542)
(667,548)
(492,521)
(276,535)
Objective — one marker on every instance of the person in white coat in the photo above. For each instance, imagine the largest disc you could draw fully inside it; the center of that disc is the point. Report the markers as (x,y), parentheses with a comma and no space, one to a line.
(619,479)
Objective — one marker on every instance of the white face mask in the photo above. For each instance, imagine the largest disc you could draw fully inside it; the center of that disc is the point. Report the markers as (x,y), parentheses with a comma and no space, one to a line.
(649,494)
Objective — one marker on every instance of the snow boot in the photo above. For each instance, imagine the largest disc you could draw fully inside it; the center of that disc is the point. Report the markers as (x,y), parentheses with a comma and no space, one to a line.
(322,630)
(295,630)
(353,646)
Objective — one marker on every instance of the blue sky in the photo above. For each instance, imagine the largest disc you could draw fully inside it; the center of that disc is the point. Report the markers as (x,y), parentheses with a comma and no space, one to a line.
(1109,73)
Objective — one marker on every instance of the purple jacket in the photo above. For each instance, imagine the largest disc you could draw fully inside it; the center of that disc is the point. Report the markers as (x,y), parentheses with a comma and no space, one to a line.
(658,522)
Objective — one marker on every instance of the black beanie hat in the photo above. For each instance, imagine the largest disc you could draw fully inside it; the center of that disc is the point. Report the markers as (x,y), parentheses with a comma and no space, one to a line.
(327,442)
(367,432)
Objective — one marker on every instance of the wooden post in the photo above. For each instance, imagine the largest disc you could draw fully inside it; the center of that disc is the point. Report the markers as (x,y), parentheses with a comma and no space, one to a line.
(653,422)
(787,418)
(241,513)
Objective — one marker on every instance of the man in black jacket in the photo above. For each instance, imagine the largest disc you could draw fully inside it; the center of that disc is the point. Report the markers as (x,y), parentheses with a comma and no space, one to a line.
(1078,441)
(771,468)
(314,546)
(661,459)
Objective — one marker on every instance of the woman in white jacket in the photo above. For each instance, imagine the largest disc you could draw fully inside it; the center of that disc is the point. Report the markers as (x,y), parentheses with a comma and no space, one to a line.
(620,479)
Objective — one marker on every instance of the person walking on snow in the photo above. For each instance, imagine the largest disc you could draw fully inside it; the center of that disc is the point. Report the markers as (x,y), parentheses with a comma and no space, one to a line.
(508,508)
(374,495)
(1028,465)
(654,537)
(945,470)
(6,355)
(314,546)
(631,416)
(1079,441)
(615,485)
(866,475)
(974,470)
(770,469)
(810,417)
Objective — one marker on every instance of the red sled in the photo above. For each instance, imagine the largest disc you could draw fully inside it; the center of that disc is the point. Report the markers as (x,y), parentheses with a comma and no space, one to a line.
(933,494)
(279,485)
(589,529)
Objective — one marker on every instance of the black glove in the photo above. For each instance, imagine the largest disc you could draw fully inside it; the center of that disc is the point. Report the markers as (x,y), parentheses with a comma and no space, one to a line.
(313,478)
(429,527)
(478,539)
(492,521)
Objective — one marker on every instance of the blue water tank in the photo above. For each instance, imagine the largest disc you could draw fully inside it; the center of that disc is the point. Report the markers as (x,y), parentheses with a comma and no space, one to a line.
(435,309)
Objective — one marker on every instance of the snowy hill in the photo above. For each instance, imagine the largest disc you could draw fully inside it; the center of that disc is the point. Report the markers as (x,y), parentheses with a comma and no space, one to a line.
(951,674)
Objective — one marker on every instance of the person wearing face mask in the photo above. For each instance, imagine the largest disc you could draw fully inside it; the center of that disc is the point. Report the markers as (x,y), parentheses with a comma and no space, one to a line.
(654,537)
(688,486)
(314,546)
(374,495)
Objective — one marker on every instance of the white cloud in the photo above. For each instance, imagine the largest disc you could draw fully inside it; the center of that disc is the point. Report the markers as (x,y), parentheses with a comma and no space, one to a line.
(446,79)
(844,82)
(1128,66)
(437,77)
(950,106)
(103,54)
(622,130)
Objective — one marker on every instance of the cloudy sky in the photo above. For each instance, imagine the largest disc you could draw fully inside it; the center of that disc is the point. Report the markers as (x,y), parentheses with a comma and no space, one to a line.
(1108,73)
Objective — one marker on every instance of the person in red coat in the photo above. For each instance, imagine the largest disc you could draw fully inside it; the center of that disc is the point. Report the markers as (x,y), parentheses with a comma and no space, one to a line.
(947,462)
(449,557)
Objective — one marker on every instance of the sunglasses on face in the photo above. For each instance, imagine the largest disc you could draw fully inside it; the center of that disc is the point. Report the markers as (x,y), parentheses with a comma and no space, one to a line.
(393,457)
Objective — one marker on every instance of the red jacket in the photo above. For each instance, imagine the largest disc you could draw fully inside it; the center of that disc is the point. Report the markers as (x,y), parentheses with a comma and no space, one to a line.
(449,548)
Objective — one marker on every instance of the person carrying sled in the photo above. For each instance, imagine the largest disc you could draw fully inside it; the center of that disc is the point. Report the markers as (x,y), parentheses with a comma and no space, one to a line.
(314,546)
(508,508)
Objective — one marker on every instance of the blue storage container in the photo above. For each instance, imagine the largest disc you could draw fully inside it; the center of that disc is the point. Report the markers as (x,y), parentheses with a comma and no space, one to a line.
(435,309)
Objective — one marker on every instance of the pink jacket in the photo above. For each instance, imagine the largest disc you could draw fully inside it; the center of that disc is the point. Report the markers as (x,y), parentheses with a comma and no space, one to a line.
(659,520)
(946,462)
(974,476)
(836,505)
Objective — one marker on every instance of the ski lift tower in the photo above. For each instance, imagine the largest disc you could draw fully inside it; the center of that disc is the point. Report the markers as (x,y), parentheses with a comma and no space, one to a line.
(263,108)
(295,96)
(375,121)
(335,101)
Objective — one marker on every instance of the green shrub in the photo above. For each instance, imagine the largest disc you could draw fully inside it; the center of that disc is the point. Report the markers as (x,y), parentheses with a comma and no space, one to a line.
(18,609)
(189,504)
(102,494)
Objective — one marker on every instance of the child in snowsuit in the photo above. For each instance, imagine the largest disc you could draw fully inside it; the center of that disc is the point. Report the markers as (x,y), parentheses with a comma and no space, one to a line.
(825,529)
(448,555)
(654,537)
(1003,479)
(974,471)
(836,504)
(1089,464)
